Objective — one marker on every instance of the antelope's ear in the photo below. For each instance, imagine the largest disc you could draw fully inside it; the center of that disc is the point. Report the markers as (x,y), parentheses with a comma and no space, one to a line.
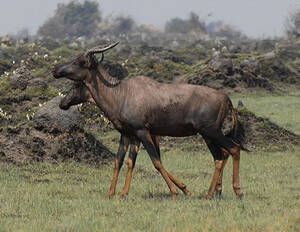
(87,61)
(93,58)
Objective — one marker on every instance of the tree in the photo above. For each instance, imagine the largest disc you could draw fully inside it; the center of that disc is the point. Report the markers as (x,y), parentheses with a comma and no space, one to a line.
(228,31)
(123,25)
(73,19)
(293,25)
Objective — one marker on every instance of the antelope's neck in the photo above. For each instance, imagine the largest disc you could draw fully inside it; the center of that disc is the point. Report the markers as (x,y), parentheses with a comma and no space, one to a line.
(106,92)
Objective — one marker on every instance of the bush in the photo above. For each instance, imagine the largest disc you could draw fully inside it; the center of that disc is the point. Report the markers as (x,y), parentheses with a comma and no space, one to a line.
(178,25)
(72,20)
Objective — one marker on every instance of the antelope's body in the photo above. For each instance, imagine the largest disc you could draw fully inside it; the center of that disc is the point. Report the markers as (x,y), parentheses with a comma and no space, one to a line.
(166,109)
(142,109)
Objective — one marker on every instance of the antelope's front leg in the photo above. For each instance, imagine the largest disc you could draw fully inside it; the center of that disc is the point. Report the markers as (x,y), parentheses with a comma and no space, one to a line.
(134,149)
(176,181)
(148,143)
(123,146)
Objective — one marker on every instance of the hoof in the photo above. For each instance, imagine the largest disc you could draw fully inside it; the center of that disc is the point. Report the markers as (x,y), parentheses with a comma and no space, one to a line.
(241,196)
(123,195)
(187,192)
(109,196)
(208,197)
(218,194)
(173,197)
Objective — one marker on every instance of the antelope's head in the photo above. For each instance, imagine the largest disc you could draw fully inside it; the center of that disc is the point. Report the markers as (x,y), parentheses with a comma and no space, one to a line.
(77,95)
(79,68)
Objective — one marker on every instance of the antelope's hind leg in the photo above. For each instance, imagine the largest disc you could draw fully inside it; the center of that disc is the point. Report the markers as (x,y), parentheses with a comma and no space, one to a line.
(220,146)
(219,186)
(235,152)
(176,181)
(123,146)
(219,166)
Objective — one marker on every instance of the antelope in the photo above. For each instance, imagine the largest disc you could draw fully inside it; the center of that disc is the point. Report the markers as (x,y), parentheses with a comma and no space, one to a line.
(141,109)
(80,94)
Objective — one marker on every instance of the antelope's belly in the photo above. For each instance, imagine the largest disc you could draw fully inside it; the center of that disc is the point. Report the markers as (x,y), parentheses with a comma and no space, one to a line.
(174,130)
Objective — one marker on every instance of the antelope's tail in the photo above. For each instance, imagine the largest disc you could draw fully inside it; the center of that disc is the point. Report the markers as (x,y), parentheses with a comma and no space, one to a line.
(237,132)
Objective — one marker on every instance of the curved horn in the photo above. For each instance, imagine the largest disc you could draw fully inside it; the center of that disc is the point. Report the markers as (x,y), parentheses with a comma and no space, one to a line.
(100,49)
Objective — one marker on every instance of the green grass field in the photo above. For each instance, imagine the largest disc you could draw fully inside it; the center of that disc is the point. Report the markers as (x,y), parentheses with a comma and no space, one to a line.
(72,196)
(284,110)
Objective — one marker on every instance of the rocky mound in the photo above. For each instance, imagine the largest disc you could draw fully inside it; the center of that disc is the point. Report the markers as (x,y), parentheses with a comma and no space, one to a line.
(262,133)
(53,135)
(228,71)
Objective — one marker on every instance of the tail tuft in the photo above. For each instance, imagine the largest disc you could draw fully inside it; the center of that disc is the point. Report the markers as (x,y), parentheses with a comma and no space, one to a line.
(237,133)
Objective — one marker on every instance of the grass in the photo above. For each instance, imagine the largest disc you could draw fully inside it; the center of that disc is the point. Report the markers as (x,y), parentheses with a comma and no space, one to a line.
(72,196)
(283,110)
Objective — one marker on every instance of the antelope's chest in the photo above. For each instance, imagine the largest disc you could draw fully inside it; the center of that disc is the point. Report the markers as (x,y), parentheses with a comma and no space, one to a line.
(124,127)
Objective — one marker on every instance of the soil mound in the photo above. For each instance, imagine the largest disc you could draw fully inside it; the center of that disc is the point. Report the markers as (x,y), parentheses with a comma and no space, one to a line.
(262,133)
(26,144)
(53,135)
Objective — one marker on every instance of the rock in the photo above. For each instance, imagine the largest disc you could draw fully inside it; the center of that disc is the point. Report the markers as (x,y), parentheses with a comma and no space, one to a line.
(51,118)
(269,55)
(174,44)
(6,40)
(37,82)
(251,64)
(73,45)
(20,78)
(224,50)
(235,48)
(253,81)
(81,41)
(17,82)
(221,63)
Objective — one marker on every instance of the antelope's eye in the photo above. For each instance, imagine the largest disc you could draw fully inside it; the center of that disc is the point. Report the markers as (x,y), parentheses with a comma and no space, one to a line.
(81,62)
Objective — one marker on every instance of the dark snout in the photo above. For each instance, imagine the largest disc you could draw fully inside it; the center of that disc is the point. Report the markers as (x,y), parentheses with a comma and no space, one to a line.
(64,106)
(66,102)
(58,71)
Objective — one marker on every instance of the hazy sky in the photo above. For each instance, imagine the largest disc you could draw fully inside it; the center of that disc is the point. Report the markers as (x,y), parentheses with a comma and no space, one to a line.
(253,17)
